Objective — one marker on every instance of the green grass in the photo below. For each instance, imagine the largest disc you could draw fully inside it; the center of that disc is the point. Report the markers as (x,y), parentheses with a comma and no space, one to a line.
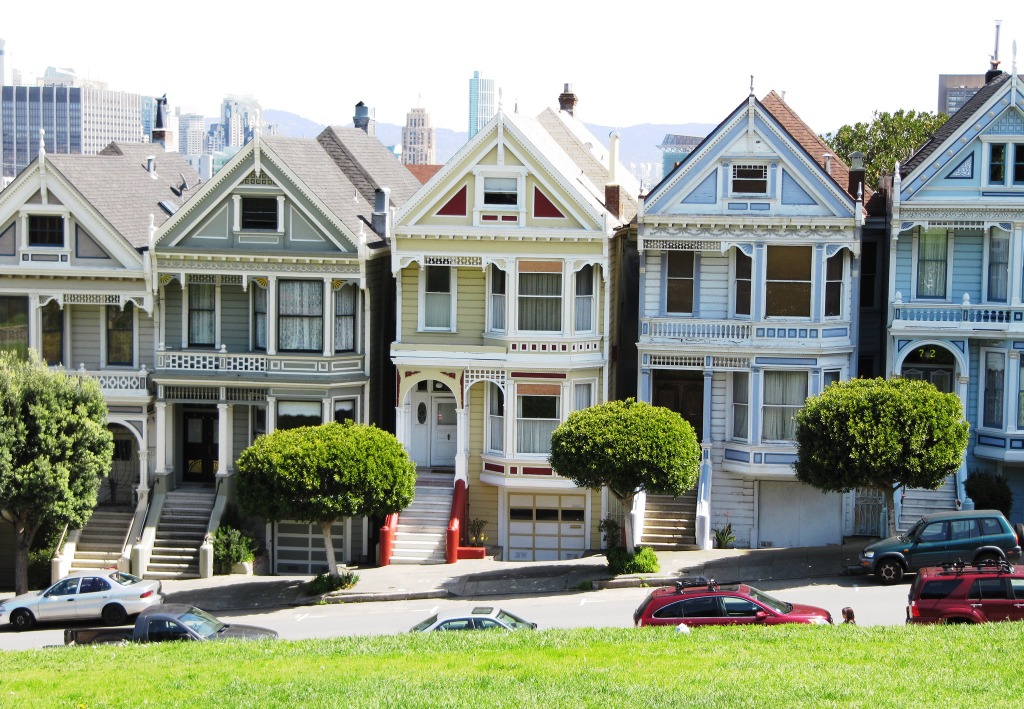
(651,667)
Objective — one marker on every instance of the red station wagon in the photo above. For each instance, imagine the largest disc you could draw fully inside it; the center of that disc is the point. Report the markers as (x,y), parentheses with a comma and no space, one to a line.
(722,604)
(961,593)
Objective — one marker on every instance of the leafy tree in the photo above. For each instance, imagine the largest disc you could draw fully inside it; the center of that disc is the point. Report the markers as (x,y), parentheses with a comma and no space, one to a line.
(884,433)
(889,138)
(627,446)
(322,474)
(55,450)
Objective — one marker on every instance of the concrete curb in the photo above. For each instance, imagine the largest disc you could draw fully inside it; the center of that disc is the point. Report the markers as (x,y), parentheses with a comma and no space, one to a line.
(331,598)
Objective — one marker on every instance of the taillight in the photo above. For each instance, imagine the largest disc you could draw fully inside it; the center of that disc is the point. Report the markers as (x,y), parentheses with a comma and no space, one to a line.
(915,612)
(147,594)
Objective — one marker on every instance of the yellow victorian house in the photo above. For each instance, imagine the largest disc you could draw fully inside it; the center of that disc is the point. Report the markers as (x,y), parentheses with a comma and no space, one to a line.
(504,291)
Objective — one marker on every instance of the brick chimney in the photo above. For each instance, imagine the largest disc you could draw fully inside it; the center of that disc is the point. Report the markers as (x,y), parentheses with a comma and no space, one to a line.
(856,173)
(364,120)
(567,100)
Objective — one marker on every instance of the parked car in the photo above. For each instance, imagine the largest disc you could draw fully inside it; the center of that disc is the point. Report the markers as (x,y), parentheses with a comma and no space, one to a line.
(108,594)
(945,537)
(962,593)
(479,618)
(722,604)
(172,621)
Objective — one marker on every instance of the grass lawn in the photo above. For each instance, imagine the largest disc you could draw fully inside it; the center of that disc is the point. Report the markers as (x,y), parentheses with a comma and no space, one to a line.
(782,666)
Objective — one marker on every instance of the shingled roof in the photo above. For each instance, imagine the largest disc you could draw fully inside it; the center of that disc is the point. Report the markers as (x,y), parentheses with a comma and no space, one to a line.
(368,163)
(117,183)
(955,122)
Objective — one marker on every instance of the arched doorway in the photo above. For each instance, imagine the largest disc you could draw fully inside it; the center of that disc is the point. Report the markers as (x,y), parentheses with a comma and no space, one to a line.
(931,363)
(118,488)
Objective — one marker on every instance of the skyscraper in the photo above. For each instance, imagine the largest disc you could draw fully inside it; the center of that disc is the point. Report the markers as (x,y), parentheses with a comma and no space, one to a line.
(418,138)
(240,115)
(191,134)
(481,102)
(957,89)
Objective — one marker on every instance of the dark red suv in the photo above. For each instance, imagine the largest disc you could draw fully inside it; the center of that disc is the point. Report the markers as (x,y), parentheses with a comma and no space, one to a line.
(708,603)
(966,593)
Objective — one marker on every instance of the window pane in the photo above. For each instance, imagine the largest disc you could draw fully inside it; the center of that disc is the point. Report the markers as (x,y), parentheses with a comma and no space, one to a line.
(344,410)
(997,164)
(998,264)
(583,394)
(536,418)
(259,213)
(300,316)
(743,269)
(679,282)
(740,404)
(788,285)
(932,252)
(750,179)
(784,394)
(293,414)
(14,324)
(45,231)
(53,334)
(1018,164)
(202,300)
(585,299)
(995,364)
(501,191)
(439,279)
(345,318)
(259,309)
(495,418)
(540,301)
(120,335)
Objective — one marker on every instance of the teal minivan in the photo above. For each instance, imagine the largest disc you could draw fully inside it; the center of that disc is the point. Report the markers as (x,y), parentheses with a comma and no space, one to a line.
(964,535)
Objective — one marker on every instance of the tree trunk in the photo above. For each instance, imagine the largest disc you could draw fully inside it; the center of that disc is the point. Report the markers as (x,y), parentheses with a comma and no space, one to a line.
(332,563)
(889,494)
(627,523)
(23,535)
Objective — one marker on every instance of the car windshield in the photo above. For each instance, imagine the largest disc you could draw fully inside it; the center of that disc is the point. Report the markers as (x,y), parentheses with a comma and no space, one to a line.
(774,603)
(913,531)
(425,624)
(124,579)
(201,622)
(512,621)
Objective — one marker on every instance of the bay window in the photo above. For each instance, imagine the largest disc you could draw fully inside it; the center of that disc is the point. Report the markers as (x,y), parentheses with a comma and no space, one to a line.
(995,379)
(202,312)
(540,298)
(537,416)
(300,310)
(784,395)
(585,299)
(788,282)
(345,311)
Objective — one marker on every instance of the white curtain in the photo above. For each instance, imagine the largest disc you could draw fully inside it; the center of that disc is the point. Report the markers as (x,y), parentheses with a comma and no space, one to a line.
(202,300)
(583,395)
(998,261)
(300,316)
(497,299)
(740,404)
(536,418)
(931,264)
(345,318)
(540,302)
(496,419)
(585,299)
(784,394)
(259,310)
(437,297)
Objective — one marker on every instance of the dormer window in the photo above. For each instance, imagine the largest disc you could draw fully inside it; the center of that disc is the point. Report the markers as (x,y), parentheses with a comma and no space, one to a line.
(750,179)
(501,191)
(259,213)
(45,231)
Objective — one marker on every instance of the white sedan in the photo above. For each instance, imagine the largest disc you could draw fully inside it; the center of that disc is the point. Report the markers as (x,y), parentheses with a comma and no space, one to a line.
(108,594)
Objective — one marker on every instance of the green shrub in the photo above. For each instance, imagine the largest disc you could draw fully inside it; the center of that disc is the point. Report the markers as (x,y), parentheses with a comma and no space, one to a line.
(612,532)
(325,583)
(231,546)
(620,561)
(724,538)
(989,492)
(477,538)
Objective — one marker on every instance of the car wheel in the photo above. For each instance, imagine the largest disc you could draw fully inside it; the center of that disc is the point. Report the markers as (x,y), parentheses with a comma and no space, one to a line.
(22,619)
(889,571)
(114,614)
(1019,530)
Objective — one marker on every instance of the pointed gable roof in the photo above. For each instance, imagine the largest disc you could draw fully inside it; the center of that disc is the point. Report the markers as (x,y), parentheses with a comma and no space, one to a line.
(368,163)
(953,125)
(118,185)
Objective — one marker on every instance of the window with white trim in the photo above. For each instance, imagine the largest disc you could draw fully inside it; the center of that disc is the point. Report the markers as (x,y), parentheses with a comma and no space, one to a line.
(45,230)
(540,297)
(679,280)
(121,335)
(259,213)
(742,280)
(202,314)
(537,416)
(501,192)
(346,320)
(829,377)
(741,406)
(932,262)
(346,410)
(749,179)
(437,297)
(788,282)
(1005,164)
(495,418)
(14,324)
(497,298)
(994,388)
(835,269)
(259,317)
(293,414)
(582,395)
(585,299)
(784,394)
(300,316)
(53,333)
(997,265)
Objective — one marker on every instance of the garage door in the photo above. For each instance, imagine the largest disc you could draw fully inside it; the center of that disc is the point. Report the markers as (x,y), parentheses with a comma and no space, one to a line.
(792,514)
(546,527)
(300,548)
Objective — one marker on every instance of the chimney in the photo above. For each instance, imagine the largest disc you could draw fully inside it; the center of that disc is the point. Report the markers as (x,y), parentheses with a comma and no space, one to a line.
(159,136)
(381,206)
(151,166)
(363,120)
(856,173)
(613,200)
(567,100)
(613,155)
(826,159)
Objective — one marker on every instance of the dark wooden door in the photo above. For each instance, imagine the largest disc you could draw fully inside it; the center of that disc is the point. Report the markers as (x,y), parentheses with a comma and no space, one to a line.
(200,446)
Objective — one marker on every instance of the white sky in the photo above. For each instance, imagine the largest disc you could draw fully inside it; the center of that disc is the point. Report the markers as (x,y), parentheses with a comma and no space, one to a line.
(629,62)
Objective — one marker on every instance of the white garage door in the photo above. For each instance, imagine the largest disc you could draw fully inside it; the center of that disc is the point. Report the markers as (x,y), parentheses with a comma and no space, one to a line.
(300,548)
(792,514)
(546,527)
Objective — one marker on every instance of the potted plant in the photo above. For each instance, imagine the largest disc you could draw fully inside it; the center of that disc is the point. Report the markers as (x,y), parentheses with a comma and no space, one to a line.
(233,551)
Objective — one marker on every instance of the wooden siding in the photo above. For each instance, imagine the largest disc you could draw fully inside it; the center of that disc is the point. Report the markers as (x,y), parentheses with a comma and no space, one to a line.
(240,430)
(86,332)
(968,255)
(470,312)
(651,298)
(714,286)
(146,354)
(172,315)
(732,502)
(234,318)
(719,405)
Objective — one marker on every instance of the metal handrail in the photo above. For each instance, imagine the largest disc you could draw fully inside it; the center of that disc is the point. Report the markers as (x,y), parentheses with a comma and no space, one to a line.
(58,550)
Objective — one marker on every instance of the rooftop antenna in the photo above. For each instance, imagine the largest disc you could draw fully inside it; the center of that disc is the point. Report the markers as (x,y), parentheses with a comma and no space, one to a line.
(751,84)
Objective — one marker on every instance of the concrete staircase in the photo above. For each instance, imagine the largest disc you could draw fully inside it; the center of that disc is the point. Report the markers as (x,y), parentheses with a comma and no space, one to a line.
(670,522)
(918,503)
(102,540)
(423,525)
(180,533)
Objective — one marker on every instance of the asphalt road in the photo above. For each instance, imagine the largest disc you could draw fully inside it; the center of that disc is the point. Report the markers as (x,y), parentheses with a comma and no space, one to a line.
(874,605)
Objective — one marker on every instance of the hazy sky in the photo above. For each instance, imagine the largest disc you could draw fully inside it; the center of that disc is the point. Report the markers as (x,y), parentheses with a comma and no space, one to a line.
(629,62)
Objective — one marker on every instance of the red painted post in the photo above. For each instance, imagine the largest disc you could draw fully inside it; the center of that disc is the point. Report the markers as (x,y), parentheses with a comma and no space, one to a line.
(387,538)
(454,525)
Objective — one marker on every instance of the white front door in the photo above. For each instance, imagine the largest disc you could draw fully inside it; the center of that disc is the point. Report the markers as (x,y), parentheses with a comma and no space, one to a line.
(445,434)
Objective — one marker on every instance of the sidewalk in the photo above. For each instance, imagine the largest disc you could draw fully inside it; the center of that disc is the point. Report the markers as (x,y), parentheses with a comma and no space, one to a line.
(487,577)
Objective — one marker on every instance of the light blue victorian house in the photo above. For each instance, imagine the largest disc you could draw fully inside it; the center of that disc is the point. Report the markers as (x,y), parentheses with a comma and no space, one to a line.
(749,251)
(956,283)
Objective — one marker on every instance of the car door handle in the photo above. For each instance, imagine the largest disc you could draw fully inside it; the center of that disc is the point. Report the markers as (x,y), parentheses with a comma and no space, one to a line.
(974,605)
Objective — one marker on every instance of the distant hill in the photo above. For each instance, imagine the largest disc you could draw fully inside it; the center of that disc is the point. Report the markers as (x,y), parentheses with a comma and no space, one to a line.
(638,144)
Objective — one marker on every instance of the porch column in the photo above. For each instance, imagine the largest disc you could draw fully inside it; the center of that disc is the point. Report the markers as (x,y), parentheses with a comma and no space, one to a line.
(144,458)
(162,434)
(462,444)
(962,383)
(643,392)
(402,426)
(225,453)
(271,413)
(326,414)
(35,324)
(218,339)
(271,316)
(756,379)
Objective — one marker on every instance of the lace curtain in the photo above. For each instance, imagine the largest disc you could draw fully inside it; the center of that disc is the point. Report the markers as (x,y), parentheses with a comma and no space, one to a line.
(536,418)
(259,310)
(300,316)
(202,312)
(784,394)
(931,264)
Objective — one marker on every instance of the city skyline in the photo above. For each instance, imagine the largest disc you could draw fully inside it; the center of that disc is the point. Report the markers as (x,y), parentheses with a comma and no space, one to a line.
(836,65)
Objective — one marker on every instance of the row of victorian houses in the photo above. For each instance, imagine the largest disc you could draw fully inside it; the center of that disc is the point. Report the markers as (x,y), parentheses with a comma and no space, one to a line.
(314,280)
